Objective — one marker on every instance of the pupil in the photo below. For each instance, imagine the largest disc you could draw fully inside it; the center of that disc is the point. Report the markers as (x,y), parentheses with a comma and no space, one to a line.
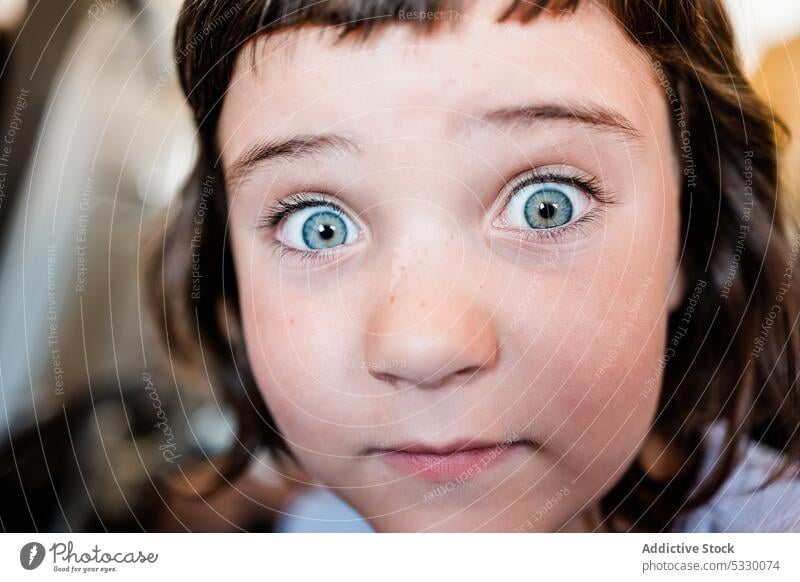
(547,210)
(326,231)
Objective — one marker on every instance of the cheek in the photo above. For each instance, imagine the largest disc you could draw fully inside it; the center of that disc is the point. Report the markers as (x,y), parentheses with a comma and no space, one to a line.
(595,340)
(299,349)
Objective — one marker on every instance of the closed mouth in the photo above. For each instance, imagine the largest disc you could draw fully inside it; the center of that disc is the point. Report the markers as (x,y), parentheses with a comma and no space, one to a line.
(458,460)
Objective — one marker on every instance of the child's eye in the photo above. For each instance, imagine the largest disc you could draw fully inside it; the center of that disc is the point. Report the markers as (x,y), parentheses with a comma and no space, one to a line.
(317,228)
(545,205)
(551,204)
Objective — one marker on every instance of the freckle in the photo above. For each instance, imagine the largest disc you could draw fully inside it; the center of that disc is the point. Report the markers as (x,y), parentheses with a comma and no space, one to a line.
(391,299)
(423,304)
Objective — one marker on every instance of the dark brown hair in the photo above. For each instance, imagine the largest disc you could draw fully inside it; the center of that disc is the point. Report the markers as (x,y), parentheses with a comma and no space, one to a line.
(738,360)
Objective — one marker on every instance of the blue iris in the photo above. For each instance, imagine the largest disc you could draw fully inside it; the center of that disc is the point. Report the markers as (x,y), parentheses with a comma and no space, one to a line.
(548,208)
(324,230)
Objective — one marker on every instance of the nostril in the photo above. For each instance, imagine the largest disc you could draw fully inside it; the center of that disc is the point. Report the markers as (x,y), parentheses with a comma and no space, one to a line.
(382,376)
(434,381)
(396,381)
(463,376)
(469,372)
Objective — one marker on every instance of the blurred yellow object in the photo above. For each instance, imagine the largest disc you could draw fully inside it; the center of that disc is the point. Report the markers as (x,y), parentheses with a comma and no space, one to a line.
(777,81)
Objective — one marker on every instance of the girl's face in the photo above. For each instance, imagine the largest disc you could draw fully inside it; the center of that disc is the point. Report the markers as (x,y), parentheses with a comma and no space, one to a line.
(456,256)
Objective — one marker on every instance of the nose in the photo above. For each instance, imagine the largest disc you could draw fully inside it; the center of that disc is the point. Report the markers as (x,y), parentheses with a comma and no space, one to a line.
(430,344)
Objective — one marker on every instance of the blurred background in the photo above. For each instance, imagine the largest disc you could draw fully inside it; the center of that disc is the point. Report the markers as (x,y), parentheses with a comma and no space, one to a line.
(96,140)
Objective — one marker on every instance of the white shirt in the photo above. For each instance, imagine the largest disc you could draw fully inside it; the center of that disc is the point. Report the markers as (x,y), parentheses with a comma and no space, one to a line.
(739,506)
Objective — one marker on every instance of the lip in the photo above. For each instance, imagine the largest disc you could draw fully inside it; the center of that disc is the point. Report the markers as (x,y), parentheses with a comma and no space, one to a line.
(459,461)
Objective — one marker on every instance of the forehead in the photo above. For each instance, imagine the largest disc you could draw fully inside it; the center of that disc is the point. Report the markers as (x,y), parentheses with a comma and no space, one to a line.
(398,82)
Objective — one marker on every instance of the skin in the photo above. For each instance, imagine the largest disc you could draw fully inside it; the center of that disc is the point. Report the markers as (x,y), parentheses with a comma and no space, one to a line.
(445,320)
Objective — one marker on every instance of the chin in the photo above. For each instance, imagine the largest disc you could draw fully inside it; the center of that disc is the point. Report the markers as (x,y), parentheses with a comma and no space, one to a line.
(499,516)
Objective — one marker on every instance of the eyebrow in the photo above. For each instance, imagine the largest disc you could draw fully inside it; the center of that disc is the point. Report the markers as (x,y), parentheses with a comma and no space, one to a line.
(293,149)
(306,146)
(593,115)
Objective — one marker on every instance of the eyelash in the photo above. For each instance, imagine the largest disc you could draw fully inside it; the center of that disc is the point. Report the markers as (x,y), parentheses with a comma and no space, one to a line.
(273,216)
(586,183)
(283,208)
